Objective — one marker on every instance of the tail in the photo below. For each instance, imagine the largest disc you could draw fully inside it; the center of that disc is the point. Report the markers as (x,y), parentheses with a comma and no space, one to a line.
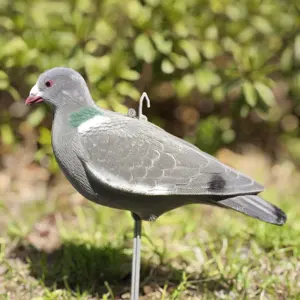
(255,207)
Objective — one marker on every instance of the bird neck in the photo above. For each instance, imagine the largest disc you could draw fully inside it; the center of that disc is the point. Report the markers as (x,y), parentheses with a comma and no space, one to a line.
(83,114)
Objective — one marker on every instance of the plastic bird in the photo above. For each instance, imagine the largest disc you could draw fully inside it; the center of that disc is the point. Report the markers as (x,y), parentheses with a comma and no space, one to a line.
(128,163)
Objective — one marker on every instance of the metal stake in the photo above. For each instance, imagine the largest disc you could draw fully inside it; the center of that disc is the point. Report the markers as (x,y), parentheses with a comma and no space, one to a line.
(136,258)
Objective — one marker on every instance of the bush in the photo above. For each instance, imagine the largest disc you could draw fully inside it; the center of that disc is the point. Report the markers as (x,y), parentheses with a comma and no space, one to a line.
(195,58)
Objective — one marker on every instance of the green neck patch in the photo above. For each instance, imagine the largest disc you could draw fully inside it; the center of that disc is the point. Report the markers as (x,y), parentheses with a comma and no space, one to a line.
(78,117)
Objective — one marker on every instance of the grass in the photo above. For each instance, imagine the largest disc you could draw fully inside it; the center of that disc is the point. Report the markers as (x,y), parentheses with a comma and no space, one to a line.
(83,251)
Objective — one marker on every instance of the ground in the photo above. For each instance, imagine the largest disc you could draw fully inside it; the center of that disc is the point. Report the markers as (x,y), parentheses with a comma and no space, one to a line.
(56,245)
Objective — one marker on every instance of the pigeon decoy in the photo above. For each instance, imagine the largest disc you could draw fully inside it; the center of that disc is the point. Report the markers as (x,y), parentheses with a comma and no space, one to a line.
(128,163)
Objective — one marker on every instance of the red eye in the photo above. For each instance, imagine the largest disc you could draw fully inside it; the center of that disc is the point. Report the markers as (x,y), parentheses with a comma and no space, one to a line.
(48,83)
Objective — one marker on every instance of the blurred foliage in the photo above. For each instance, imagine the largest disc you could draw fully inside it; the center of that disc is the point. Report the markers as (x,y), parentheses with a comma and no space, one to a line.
(232,64)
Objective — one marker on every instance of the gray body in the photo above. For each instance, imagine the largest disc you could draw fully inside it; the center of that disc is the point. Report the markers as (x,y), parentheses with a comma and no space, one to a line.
(129,164)
(146,207)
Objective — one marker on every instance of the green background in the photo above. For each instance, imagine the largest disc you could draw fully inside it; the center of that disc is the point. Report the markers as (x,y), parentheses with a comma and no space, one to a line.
(217,72)
(223,74)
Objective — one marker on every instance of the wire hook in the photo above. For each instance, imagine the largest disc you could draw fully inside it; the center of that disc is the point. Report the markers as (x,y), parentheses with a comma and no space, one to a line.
(144,96)
(132,113)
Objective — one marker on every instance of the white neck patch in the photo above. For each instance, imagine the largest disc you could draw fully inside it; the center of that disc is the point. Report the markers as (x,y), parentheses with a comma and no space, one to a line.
(92,123)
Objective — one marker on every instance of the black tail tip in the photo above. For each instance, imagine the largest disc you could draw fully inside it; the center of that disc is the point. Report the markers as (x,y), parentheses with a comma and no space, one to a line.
(256,207)
(280,217)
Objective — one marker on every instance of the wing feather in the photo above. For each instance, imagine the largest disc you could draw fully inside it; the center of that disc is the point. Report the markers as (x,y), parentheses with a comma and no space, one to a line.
(141,158)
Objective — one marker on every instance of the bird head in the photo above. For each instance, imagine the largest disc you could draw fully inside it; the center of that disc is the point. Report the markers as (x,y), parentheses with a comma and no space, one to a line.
(60,86)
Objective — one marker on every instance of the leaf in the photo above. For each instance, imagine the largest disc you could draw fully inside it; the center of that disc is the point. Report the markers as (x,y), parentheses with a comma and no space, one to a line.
(7,135)
(126,89)
(181,62)
(115,103)
(129,75)
(286,60)
(78,59)
(167,67)
(42,11)
(37,116)
(297,48)
(6,23)
(96,67)
(250,93)
(218,93)
(265,93)
(191,51)
(246,34)
(13,46)
(84,5)
(45,136)
(244,111)
(134,9)
(104,32)
(210,49)
(105,86)
(185,85)
(181,29)
(161,44)
(211,32)
(91,46)
(143,48)
(14,93)
(262,24)
(228,136)
(206,79)
(4,81)
(153,2)
(236,11)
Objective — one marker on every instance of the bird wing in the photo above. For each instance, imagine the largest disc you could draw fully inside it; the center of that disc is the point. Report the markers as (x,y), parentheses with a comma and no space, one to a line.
(141,158)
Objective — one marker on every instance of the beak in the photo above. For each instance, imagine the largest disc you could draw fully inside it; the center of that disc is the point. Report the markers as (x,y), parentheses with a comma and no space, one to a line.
(35,96)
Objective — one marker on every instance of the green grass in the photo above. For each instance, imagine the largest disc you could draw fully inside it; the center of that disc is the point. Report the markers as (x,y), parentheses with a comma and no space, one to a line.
(196,252)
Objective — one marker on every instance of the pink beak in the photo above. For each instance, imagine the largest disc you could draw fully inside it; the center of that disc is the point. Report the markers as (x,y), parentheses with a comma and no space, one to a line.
(33,99)
(35,96)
